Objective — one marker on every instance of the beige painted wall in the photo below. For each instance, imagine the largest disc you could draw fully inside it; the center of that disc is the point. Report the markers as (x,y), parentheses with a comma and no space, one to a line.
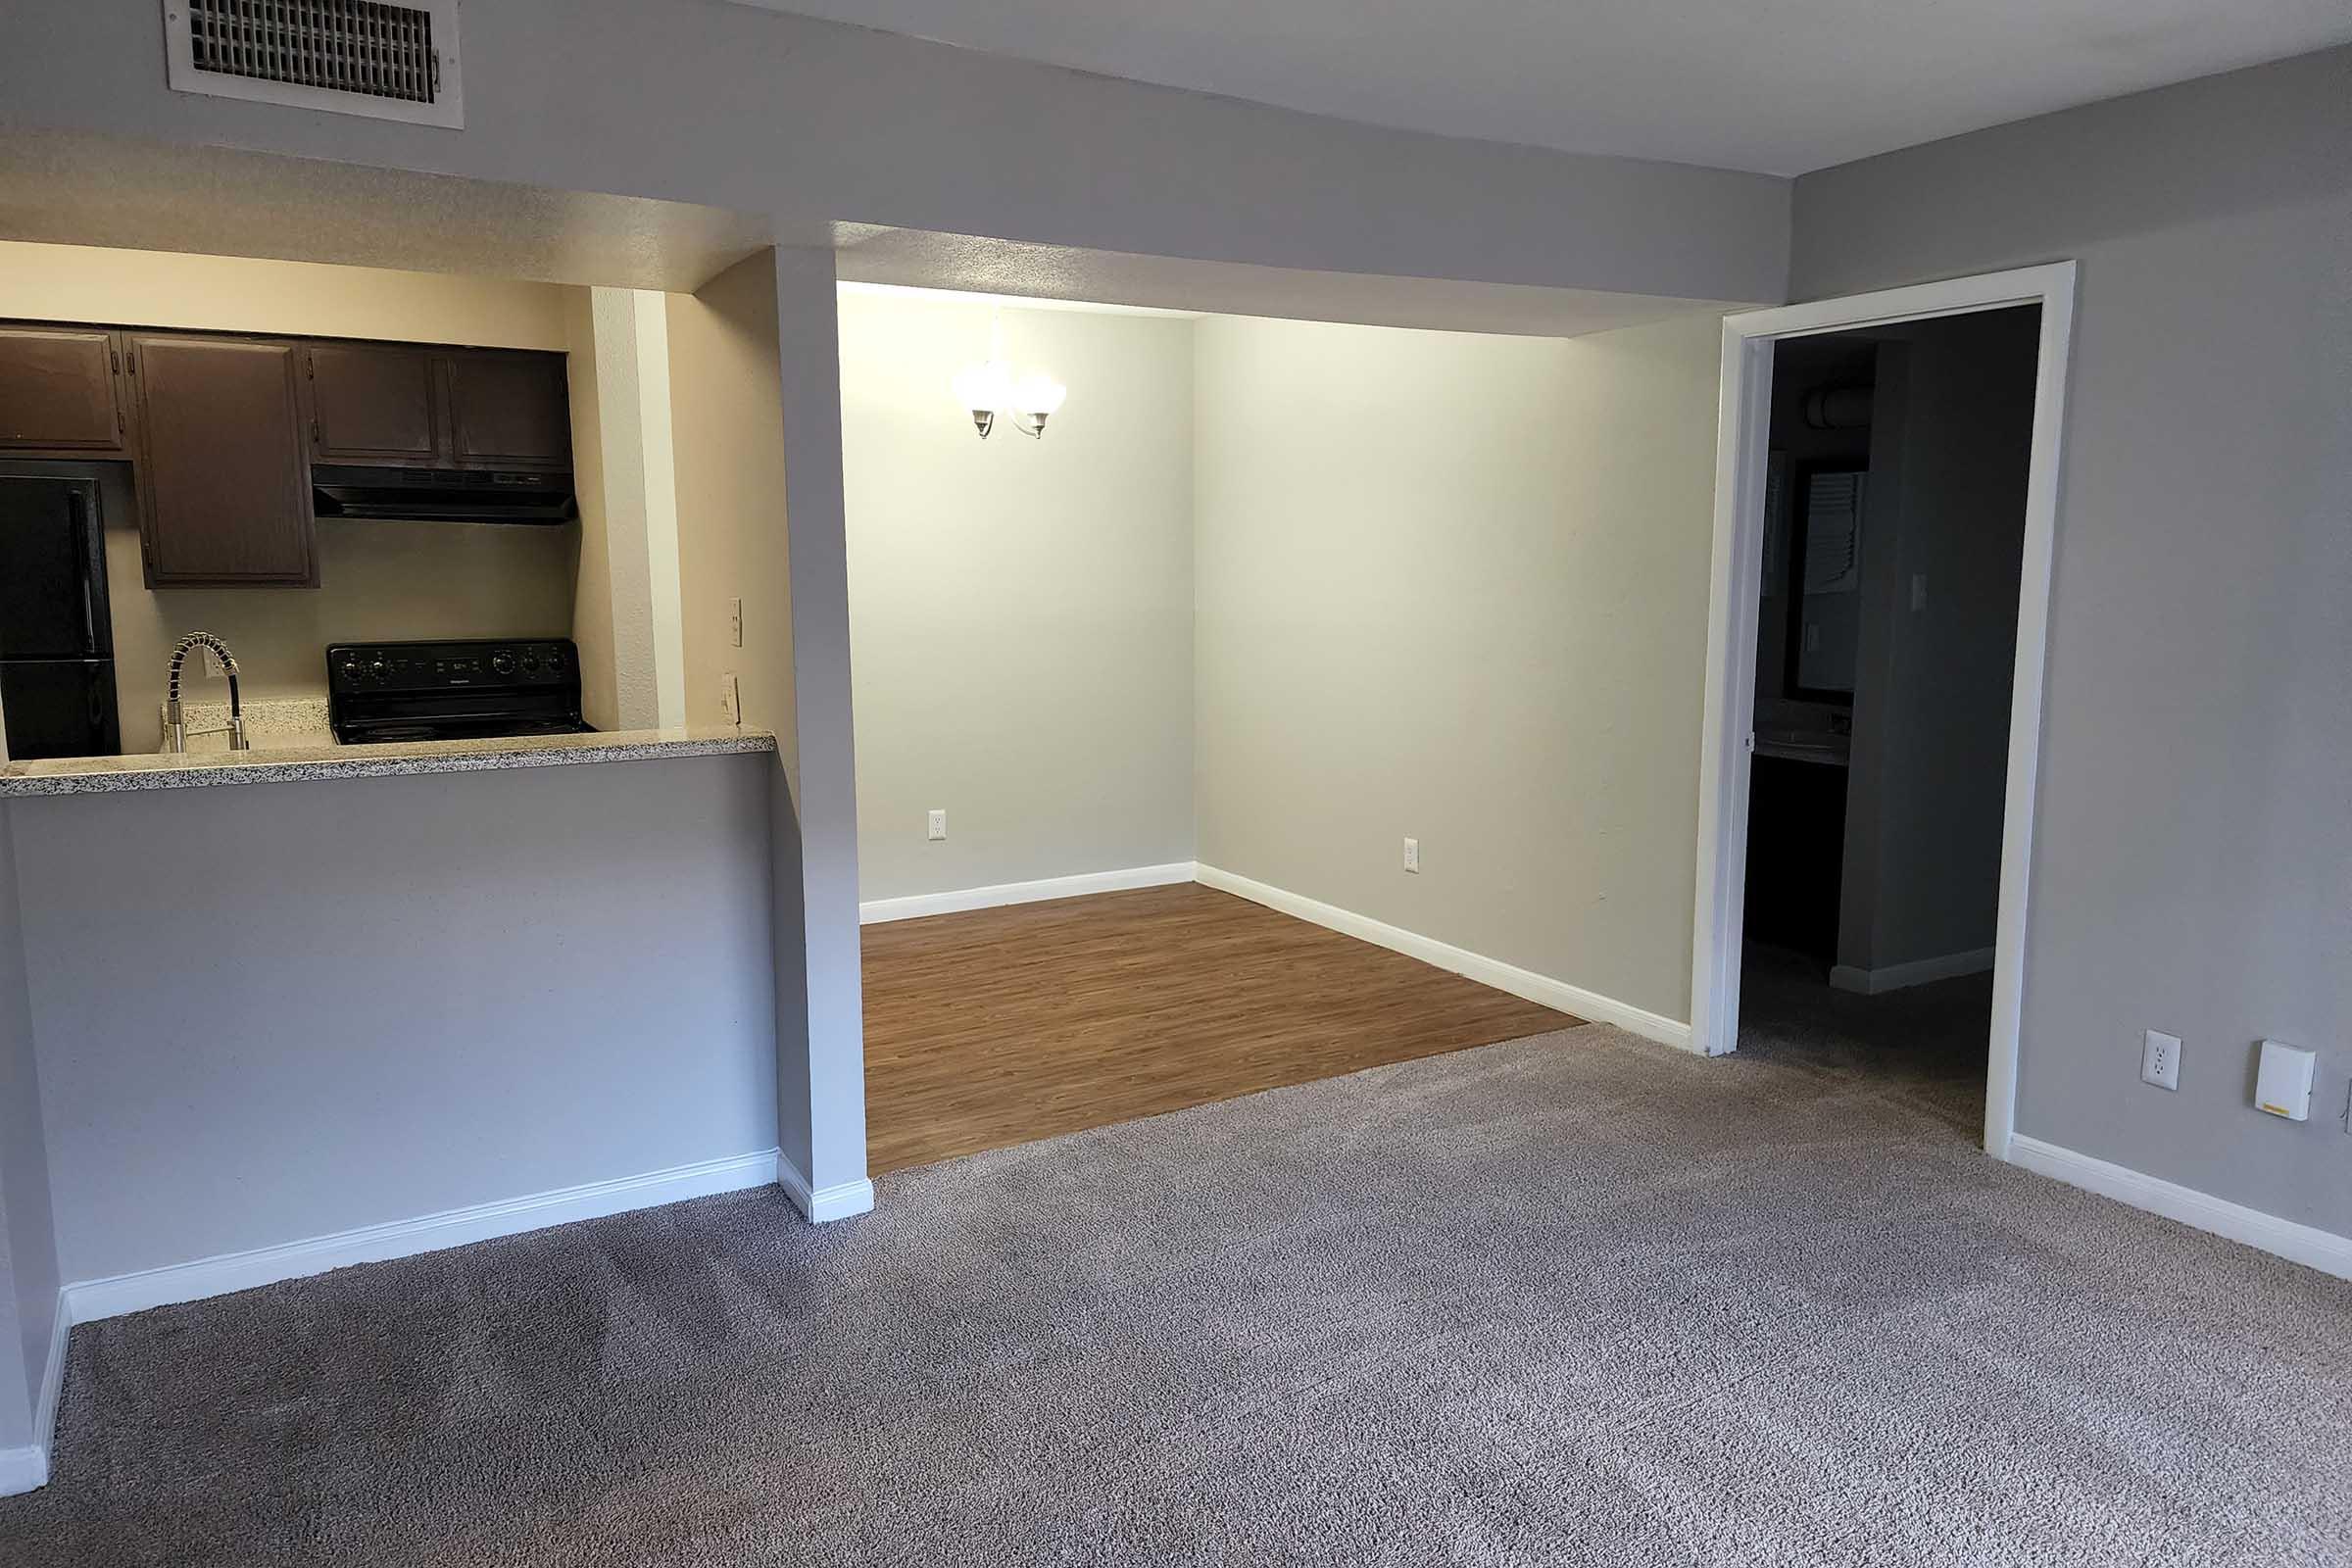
(625,602)
(238,294)
(1020,610)
(727,441)
(599,626)
(1455,587)
(377,579)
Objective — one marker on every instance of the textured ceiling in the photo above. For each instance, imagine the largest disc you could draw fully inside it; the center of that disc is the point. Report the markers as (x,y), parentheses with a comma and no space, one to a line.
(1774,86)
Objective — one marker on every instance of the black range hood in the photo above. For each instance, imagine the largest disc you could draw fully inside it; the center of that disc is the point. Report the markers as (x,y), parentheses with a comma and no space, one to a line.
(441,495)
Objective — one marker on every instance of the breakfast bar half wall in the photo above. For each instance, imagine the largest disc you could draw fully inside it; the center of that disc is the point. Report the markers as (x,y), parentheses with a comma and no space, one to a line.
(287,1011)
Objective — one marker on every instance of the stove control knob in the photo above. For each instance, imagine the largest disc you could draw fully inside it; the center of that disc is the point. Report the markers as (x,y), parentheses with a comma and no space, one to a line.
(503,662)
(530,664)
(379,670)
(351,669)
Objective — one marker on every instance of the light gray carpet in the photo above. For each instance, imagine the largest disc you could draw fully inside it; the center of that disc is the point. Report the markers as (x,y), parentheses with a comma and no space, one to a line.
(1570,1300)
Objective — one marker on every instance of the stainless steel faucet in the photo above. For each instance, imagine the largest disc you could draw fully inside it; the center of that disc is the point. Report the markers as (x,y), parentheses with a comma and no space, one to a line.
(176,723)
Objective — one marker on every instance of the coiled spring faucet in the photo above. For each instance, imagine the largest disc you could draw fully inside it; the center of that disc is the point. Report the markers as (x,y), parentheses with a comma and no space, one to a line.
(175,724)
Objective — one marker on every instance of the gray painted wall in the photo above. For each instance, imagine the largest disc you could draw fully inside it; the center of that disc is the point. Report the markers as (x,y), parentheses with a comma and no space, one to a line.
(818,124)
(2195,844)
(357,1000)
(812,124)
(28,1273)
(1950,440)
(820,990)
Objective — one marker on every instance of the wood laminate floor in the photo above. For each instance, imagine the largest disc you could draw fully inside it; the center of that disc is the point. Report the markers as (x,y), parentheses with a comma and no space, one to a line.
(998,1026)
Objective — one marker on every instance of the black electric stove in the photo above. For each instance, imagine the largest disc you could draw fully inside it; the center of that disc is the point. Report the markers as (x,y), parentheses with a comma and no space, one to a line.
(452,691)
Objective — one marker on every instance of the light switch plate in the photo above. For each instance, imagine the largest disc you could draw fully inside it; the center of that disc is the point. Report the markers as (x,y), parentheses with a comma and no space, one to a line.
(2160,1060)
(1412,854)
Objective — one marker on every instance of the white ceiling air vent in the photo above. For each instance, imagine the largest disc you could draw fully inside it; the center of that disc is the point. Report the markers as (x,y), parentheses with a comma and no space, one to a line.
(354,56)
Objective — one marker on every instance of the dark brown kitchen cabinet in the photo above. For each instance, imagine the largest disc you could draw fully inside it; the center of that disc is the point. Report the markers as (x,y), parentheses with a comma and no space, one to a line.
(507,408)
(225,490)
(371,403)
(405,404)
(60,393)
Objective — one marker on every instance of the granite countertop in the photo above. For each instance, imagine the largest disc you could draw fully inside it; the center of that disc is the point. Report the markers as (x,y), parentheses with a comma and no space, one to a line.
(92,775)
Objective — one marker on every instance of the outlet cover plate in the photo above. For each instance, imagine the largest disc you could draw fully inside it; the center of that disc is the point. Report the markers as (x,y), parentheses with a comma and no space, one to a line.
(2160,1060)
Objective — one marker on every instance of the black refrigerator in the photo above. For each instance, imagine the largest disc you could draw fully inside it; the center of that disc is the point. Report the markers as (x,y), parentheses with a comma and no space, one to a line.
(56,642)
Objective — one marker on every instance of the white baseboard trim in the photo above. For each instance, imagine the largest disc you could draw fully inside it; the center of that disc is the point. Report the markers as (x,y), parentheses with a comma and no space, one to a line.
(92,1299)
(840,1200)
(1918,972)
(917,905)
(23,1470)
(2307,1244)
(26,1468)
(1525,983)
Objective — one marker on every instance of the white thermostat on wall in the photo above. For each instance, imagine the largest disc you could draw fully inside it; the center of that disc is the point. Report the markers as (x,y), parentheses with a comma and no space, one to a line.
(2283,1081)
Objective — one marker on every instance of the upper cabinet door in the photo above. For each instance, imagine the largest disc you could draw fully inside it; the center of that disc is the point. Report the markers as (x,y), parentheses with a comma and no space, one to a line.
(224,491)
(371,403)
(57,391)
(508,408)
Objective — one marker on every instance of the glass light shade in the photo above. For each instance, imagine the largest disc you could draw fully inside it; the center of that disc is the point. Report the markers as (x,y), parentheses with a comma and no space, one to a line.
(1038,394)
(985,388)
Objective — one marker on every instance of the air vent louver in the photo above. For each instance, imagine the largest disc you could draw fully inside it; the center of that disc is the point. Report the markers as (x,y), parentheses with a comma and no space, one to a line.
(362,57)
(342,45)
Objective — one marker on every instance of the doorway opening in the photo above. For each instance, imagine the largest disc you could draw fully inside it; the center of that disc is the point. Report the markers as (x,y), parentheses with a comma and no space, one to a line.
(1886,505)
(1072,780)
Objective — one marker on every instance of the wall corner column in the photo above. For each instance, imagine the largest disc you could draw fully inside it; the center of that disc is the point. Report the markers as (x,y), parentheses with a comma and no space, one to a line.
(32,1316)
(820,1010)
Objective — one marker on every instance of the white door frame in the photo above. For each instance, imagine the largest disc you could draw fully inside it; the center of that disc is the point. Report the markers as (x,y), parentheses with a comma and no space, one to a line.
(1728,740)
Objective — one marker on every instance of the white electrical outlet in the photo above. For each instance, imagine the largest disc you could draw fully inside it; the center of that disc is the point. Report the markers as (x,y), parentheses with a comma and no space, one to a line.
(2160,1060)
(735,622)
(1412,854)
(212,662)
(730,699)
(938,827)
